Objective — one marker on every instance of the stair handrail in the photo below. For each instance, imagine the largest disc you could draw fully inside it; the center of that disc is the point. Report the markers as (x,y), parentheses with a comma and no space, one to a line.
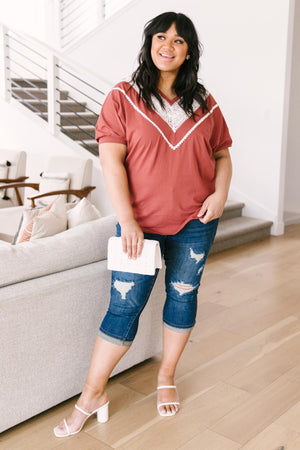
(54,61)
(75,19)
(59,55)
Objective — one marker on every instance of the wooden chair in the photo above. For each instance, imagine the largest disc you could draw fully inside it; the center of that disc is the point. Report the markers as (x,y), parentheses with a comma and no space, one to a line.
(80,175)
(80,193)
(12,195)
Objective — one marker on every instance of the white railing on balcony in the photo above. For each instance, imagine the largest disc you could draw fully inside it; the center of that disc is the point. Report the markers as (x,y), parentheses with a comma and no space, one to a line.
(65,95)
(77,18)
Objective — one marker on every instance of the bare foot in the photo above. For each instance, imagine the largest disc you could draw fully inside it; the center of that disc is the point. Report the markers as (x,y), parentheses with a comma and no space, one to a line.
(76,418)
(167,395)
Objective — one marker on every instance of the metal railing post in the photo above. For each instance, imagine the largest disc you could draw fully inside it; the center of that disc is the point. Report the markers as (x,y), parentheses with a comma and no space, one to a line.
(5,76)
(53,94)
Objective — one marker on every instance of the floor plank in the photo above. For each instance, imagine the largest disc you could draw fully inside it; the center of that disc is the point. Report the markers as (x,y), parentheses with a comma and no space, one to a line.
(290,419)
(260,410)
(274,437)
(269,365)
(210,441)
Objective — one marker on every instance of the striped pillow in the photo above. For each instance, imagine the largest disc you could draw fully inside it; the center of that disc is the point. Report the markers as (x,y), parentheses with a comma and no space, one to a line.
(39,223)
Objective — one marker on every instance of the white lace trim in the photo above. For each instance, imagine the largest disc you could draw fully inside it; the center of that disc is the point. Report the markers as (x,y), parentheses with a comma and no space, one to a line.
(173,147)
(173,114)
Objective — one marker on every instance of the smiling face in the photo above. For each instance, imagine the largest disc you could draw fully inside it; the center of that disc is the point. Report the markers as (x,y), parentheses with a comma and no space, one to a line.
(168,50)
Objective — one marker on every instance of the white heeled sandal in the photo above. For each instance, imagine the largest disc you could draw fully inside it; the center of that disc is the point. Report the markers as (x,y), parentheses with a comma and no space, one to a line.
(166,404)
(102,417)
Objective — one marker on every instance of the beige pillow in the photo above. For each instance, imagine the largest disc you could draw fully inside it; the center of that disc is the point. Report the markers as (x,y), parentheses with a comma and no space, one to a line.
(83,212)
(39,223)
(51,222)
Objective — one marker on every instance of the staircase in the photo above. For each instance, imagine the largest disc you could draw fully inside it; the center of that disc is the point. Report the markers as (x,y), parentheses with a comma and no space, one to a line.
(75,120)
(235,230)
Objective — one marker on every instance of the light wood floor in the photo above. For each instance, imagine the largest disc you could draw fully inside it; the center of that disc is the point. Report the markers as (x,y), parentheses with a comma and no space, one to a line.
(239,376)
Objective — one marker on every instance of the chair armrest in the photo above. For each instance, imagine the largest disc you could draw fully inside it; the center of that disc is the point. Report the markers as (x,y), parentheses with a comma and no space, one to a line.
(81,193)
(13,180)
(20,185)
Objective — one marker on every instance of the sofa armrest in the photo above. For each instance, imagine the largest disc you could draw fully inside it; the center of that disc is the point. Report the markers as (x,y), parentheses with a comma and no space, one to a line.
(78,246)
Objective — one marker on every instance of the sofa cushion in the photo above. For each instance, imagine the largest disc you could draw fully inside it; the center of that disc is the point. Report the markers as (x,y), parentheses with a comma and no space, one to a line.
(84,244)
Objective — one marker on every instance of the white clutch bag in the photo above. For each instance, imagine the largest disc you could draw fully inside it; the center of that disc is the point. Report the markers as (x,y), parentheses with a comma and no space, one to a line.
(145,264)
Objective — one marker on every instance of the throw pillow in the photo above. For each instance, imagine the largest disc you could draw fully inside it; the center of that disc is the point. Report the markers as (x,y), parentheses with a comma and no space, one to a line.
(52,182)
(39,223)
(83,212)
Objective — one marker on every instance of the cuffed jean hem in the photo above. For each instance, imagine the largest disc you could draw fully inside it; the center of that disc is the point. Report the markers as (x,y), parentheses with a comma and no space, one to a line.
(114,340)
(178,330)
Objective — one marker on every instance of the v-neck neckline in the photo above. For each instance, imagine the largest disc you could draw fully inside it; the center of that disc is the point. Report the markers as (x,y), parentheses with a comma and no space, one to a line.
(171,102)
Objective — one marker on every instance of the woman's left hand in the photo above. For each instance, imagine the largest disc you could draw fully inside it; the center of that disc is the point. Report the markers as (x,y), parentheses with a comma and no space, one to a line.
(212,207)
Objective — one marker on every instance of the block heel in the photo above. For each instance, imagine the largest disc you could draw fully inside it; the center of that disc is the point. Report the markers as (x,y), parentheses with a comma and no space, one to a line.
(102,413)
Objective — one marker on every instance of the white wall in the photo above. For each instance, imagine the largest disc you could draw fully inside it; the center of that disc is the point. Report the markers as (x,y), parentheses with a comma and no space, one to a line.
(244,66)
(28,16)
(20,129)
(292,187)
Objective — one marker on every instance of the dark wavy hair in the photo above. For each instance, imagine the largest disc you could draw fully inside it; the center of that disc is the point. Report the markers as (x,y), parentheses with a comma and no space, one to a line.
(186,85)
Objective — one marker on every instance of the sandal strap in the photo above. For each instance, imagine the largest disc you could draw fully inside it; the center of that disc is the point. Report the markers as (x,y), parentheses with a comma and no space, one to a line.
(81,410)
(168,403)
(165,387)
(66,425)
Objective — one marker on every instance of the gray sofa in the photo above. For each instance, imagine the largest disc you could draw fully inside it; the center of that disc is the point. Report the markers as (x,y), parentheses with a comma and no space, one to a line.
(53,295)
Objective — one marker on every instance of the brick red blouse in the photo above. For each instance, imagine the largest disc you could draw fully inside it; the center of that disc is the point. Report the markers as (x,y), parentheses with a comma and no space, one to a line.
(169,162)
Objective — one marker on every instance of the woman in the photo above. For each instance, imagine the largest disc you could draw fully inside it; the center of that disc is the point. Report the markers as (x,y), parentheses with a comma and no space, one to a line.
(163,146)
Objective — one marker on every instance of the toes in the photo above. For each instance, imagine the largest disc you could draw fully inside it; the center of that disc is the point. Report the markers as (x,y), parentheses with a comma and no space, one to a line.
(60,429)
(163,410)
(168,409)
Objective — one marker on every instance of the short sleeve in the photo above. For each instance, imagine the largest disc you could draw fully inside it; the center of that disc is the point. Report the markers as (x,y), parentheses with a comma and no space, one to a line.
(220,137)
(110,125)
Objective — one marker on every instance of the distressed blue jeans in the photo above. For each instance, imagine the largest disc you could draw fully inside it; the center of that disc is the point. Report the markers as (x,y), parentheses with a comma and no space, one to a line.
(185,254)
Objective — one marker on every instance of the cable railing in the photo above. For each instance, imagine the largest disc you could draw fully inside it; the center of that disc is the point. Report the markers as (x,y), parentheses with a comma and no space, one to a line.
(86,97)
(53,88)
(77,18)
(22,62)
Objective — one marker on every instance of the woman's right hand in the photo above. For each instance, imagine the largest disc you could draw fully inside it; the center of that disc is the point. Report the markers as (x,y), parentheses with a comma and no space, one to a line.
(132,238)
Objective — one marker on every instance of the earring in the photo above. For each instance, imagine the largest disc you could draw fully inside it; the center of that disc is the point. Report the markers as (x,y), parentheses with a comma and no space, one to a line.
(187,57)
